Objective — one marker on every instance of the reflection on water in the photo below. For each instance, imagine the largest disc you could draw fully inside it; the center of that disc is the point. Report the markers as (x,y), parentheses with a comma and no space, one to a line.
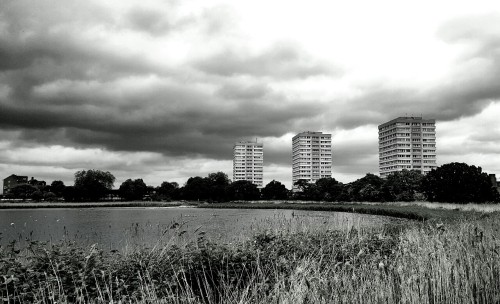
(120,228)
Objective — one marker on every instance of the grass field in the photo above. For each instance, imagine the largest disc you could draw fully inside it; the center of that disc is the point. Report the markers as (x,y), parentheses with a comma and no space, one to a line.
(445,259)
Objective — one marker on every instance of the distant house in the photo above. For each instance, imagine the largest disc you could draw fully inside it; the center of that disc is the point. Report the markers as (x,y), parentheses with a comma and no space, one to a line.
(494,182)
(15,180)
(12,181)
(36,183)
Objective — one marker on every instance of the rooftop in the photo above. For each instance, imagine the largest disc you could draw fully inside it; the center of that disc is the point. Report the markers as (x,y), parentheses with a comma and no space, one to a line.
(311,133)
(407,119)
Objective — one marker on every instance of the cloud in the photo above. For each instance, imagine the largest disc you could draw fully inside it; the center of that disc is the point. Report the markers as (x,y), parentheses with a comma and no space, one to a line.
(469,86)
(355,151)
(234,91)
(173,84)
(64,161)
(170,17)
(149,20)
(474,140)
(71,86)
(480,29)
(282,60)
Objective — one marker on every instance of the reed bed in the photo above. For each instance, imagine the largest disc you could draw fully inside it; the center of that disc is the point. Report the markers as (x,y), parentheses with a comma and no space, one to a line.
(411,262)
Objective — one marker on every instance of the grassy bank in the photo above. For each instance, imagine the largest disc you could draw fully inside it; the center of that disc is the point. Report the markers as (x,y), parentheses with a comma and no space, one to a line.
(421,262)
(407,211)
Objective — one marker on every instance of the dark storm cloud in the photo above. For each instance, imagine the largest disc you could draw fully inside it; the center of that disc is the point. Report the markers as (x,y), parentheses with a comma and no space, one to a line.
(14,56)
(62,91)
(34,137)
(173,120)
(281,61)
(44,57)
(43,41)
(32,31)
(205,133)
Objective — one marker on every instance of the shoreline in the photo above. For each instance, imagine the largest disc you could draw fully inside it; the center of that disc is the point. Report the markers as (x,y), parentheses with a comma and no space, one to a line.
(420,211)
(417,213)
(45,205)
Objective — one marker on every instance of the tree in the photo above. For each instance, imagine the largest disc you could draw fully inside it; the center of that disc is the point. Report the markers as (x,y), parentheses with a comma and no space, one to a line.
(458,183)
(217,184)
(132,189)
(71,194)
(404,185)
(57,187)
(168,190)
(243,190)
(23,191)
(306,190)
(345,194)
(37,195)
(93,184)
(48,196)
(196,188)
(367,189)
(301,184)
(275,190)
(328,189)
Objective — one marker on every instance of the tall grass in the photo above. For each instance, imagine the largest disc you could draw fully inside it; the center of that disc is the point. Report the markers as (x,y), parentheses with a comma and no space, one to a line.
(454,263)
(430,262)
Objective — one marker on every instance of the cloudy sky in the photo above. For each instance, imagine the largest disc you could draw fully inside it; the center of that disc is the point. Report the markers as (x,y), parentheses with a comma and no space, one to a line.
(161,90)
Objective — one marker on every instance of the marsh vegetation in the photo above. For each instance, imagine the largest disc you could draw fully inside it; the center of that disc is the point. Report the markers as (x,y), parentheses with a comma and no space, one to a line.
(456,261)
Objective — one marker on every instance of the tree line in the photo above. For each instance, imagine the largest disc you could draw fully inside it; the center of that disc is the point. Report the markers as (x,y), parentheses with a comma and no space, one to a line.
(453,182)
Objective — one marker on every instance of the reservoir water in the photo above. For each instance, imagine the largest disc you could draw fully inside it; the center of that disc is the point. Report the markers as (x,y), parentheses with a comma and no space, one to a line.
(118,228)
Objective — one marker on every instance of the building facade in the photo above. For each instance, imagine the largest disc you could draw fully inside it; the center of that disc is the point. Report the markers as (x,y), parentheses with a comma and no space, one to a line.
(311,156)
(36,183)
(494,182)
(248,162)
(13,181)
(407,143)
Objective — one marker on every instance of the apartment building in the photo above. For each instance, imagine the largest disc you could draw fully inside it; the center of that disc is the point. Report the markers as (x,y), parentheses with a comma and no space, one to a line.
(311,156)
(12,181)
(248,162)
(407,143)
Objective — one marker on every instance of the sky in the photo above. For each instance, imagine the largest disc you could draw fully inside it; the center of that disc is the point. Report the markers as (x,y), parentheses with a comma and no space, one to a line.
(162,89)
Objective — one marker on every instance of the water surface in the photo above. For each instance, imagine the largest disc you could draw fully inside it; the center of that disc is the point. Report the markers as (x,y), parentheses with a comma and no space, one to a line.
(119,227)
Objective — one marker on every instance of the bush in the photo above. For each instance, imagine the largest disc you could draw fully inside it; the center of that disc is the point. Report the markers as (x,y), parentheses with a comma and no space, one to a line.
(37,195)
